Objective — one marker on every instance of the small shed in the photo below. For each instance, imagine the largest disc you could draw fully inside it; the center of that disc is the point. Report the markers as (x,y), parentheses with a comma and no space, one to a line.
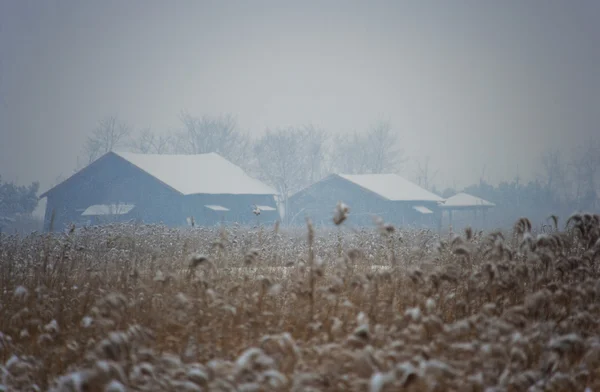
(389,196)
(153,188)
(462,203)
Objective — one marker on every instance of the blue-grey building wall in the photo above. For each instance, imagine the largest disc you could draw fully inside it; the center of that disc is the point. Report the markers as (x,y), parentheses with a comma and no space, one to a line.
(319,200)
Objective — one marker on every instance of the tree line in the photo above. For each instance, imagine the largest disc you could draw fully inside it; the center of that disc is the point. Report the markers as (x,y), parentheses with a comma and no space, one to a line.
(16,203)
(292,158)
(566,184)
(288,159)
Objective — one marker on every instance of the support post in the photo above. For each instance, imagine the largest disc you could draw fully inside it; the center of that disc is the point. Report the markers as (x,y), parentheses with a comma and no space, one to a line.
(484,213)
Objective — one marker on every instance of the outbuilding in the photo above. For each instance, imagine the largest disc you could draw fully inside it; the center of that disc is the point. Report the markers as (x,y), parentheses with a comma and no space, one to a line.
(156,188)
(388,196)
(464,209)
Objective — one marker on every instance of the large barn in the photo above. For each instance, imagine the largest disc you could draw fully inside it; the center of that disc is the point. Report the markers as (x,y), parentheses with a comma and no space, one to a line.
(389,196)
(168,189)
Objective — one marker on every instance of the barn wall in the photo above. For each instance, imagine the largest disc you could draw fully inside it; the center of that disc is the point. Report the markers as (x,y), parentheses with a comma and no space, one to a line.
(114,181)
(240,209)
(410,217)
(319,201)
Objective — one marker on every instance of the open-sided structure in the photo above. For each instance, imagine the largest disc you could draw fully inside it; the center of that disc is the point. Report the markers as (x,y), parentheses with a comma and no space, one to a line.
(154,188)
(388,196)
(463,202)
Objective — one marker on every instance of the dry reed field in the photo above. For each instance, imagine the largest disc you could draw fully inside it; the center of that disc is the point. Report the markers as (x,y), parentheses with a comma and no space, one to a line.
(148,308)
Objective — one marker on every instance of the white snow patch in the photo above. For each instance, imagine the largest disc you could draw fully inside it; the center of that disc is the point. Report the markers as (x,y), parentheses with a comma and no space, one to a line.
(465,200)
(423,210)
(215,207)
(108,209)
(198,174)
(266,208)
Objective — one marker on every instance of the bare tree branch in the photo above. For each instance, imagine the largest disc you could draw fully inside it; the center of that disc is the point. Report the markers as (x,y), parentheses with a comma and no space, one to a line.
(316,151)
(219,134)
(107,136)
(376,151)
(586,169)
(149,142)
(424,175)
(555,176)
(291,159)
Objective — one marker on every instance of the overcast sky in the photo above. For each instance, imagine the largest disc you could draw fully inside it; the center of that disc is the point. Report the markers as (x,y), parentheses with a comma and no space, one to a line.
(469,83)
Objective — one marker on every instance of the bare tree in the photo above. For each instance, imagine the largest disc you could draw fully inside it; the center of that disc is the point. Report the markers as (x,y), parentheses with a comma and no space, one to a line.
(555,175)
(218,134)
(349,154)
(384,153)
(148,142)
(107,136)
(281,160)
(316,151)
(424,175)
(375,151)
(586,169)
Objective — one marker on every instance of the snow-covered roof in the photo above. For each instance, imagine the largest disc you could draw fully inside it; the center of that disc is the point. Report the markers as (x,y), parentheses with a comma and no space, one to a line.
(266,208)
(108,209)
(215,207)
(392,187)
(423,210)
(199,173)
(464,200)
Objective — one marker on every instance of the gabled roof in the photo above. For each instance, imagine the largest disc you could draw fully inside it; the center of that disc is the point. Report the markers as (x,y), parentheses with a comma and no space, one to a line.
(194,174)
(392,187)
(464,200)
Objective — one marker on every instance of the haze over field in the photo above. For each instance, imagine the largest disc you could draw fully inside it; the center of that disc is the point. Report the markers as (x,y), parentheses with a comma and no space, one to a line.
(296,196)
(474,84)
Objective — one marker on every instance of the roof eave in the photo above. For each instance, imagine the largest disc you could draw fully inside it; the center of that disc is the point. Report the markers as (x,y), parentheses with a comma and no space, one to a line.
(440,200)
(232,194)
(480,206)
(418,201)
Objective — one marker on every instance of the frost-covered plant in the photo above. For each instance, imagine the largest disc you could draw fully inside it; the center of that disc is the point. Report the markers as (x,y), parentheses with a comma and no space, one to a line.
(125,307)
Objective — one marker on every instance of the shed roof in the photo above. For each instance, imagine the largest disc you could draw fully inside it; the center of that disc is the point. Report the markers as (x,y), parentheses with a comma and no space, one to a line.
(266,208)
(392,187)
(198,174)
(108,209)
(423,210)
(464,200)
(215,207)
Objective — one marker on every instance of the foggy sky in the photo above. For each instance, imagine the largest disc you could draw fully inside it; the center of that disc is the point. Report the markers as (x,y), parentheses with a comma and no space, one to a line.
(468,83)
